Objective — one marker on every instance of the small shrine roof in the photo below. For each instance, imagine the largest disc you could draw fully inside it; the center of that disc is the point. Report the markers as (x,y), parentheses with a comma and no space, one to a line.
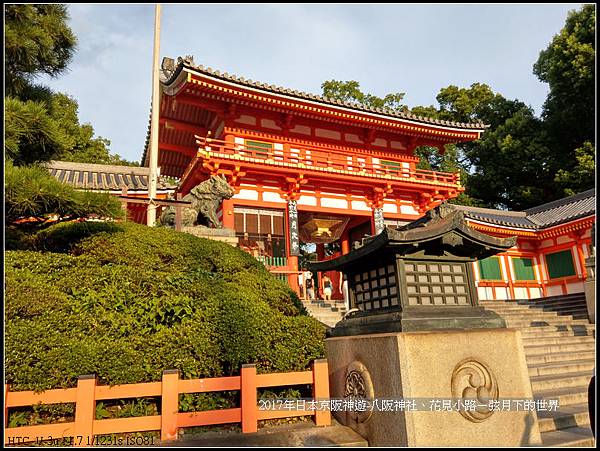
(104,177)
(442,231)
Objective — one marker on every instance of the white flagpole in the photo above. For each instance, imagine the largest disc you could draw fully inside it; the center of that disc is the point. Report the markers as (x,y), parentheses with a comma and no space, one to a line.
(153,179)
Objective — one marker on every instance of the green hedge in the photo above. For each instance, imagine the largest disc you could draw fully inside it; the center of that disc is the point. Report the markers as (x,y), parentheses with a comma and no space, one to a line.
(125,302)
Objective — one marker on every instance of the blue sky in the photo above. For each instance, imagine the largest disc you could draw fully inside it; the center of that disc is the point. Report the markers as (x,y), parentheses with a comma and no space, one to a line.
(416,49)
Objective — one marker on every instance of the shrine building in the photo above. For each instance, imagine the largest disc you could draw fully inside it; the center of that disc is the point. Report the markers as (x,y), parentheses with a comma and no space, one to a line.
(307,169)
(304,168)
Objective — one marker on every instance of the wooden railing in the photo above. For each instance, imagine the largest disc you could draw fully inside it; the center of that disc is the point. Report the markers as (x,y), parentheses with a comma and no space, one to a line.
(272,261)
(87,392)
(319,159)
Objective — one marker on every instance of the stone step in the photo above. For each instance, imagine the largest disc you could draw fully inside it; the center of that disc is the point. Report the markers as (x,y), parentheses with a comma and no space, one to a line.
(555,302)
(558,298)
(529,315)
(574,415)
(533,333)
(577,330)
(538,311)
(572,437)
(538,341)
(548,349)
(556,381)
(565,396)
(573,366)
(545,322)
(559,357)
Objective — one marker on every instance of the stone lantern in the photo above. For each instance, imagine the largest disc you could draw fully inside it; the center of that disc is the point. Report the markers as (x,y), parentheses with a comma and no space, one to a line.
(415,331)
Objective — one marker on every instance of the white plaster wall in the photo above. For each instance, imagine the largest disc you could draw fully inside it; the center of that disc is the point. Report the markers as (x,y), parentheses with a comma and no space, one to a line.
(482,294)
(246,194)
(269,196)
(334,203)
(303,129)
(331,134)
(521,293)
(535,293)
(576,287)
(563,239)
(408,209)
(269,123)
(390,208)
(307,200)
(244,119)
(502,293)
(360,205)
(555,290)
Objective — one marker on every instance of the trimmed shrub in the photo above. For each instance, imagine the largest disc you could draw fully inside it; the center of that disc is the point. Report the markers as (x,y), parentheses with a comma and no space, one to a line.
(125,302)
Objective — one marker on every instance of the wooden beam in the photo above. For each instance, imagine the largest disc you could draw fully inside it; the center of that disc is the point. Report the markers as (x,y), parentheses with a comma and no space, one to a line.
(187,151)
(183,126)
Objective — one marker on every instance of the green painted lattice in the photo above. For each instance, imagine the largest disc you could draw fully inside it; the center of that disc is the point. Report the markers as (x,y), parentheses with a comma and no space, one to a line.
(489,269)
(560,264)
(523,268)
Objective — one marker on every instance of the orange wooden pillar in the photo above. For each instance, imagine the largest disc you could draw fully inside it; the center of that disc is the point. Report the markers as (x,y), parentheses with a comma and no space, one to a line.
(321,391)
(345,242)
(293,278)
(85,410)
(228,217)
(249,399)
(579,246)
(169,405)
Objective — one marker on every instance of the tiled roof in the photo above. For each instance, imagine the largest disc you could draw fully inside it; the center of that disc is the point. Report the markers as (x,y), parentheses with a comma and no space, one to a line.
(104,177)
(500,217)
(188,63)
(540,217)
(563,210)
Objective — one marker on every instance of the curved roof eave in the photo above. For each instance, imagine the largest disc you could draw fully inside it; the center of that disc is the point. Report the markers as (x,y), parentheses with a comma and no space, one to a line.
(173,83)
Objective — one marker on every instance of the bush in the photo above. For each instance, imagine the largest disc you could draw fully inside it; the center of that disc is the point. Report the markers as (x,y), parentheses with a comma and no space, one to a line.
(125,302)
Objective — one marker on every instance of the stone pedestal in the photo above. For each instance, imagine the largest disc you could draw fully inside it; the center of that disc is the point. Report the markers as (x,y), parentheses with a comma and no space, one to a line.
(433,365)
(224,234)
(590,288)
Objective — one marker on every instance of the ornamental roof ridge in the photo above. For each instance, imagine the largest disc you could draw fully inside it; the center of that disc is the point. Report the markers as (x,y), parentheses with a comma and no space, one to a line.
(188,63)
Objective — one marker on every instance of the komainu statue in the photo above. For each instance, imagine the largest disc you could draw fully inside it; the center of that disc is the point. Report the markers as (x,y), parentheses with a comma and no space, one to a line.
(205,198)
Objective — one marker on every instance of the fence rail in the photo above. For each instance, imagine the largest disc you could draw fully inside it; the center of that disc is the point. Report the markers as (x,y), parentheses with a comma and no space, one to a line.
(85,426)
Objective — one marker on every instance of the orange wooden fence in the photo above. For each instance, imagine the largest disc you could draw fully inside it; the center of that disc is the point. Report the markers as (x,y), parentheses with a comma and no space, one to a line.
(87,392)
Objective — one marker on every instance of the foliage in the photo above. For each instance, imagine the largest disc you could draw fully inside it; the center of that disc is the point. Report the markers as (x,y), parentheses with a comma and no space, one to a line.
(581,177)
(349,91)
(40,124)
(521,160)
(31,191)
(37,40)
(129,301)
(568,66)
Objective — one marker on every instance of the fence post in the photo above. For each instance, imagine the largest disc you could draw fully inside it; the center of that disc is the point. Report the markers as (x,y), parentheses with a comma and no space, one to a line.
(178,213)
(248,402)
(321,391)
(170,405)
(85,411)
(6,390)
